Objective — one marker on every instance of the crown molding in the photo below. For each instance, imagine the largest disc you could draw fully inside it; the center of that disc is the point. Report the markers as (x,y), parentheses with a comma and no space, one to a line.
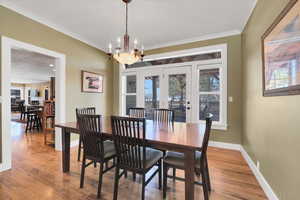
(250,14)
(196,39)
(43,21)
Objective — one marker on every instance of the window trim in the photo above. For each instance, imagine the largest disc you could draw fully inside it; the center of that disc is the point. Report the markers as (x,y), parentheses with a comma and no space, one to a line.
(123,93)
(222,123)
(222,63)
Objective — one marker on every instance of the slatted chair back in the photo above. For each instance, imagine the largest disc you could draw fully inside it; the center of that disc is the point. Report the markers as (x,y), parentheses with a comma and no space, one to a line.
(137,112)
(49,108)
(129,137)
(90,127)
(164,115)
(206,134)
(86,111)
(21,106)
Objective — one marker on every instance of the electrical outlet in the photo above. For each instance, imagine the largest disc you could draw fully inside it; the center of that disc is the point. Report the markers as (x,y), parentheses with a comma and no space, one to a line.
(230,99)
(258,165)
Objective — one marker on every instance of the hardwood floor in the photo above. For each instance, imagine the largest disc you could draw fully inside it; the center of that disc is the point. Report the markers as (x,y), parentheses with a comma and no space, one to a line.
(37,175)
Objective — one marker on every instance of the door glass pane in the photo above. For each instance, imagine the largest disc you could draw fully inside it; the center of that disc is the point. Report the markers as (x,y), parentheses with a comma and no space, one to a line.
(151,94)
(209,80)
(177,96)
(209,103)
(130,102)
(131,84)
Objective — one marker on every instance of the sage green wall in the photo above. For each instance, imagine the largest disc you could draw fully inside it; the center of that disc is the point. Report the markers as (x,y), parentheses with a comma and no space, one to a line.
(270,124)
(233,133)
(79,56)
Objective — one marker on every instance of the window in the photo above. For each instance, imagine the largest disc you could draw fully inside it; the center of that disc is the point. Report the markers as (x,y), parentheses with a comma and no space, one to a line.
(151,99)
(212,94)
(209,93)
(191,82)
(129,93)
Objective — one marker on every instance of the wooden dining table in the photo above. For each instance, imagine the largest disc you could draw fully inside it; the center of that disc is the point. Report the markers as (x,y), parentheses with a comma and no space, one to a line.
(180,137)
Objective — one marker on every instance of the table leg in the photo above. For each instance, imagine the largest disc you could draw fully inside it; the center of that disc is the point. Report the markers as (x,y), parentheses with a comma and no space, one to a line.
(66,150)
(189,174)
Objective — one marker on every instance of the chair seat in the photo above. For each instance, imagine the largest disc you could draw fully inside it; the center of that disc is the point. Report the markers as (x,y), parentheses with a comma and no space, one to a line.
(176,159)
(109,149)
(152,157)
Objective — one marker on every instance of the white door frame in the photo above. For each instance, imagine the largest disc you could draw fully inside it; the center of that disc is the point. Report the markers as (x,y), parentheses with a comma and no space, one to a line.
(180,69)
(211,62)
(60,87)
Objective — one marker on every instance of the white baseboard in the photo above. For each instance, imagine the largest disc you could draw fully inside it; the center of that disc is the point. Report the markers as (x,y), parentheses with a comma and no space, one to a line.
(4,167)
(224,145)
(259,177)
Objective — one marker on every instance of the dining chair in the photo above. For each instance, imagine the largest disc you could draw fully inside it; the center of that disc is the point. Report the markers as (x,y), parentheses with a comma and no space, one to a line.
(48,120)
(176,160)
(83,111)
(137,112)
(166,116)
(22,110)
(95,147)
(132,152)
(163,115)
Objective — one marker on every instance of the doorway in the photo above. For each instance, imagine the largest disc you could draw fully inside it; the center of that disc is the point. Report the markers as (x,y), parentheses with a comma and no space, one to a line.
(7,44)
(167,88)
(192,82)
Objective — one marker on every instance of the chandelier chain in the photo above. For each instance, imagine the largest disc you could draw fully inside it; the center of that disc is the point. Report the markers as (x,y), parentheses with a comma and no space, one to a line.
(126,18)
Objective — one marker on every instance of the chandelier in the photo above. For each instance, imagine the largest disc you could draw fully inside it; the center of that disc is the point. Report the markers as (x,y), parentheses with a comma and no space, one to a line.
(126,55)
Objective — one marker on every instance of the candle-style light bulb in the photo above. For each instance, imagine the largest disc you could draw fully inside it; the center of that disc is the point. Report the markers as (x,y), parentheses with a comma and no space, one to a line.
(119,42)
(143,48)
(110,48)
(135,43)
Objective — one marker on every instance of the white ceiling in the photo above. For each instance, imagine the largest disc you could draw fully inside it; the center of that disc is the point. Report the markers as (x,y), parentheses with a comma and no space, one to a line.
(156,23)
(30,67)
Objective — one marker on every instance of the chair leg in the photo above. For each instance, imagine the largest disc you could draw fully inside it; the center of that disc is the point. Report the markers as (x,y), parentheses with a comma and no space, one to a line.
(82,172)
(133,176)
(95,164)
(100,180)
(116,183)
(207,174)
(45,137)
(165,180)
(159,174)
(125,174)
(174,173)
(27,124)
(143,186)
(79,149)
(204,185)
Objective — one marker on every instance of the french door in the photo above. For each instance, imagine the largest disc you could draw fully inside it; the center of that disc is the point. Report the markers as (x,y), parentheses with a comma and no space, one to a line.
(167,88)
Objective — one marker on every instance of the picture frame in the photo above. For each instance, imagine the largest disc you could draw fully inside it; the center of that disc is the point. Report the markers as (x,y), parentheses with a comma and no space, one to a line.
(91,82)
(281,53)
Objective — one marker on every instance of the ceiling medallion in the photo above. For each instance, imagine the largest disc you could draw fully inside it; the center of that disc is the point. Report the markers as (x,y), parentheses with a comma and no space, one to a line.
(126,55)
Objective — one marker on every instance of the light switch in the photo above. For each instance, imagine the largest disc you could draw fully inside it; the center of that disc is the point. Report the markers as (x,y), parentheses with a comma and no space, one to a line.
(230,99)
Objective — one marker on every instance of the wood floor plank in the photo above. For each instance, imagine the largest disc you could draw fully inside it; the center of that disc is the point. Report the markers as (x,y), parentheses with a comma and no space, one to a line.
(37,175)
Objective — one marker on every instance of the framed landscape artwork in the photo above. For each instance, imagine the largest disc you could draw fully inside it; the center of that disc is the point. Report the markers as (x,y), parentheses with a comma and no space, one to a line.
(92,82)
(281,53)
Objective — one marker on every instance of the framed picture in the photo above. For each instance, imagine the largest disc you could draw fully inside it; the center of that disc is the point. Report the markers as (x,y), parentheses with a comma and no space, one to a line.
(92,82)
(281,53)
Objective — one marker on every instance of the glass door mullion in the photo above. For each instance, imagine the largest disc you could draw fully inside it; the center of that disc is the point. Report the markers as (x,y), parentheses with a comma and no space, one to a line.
(177,92)
(151,91)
